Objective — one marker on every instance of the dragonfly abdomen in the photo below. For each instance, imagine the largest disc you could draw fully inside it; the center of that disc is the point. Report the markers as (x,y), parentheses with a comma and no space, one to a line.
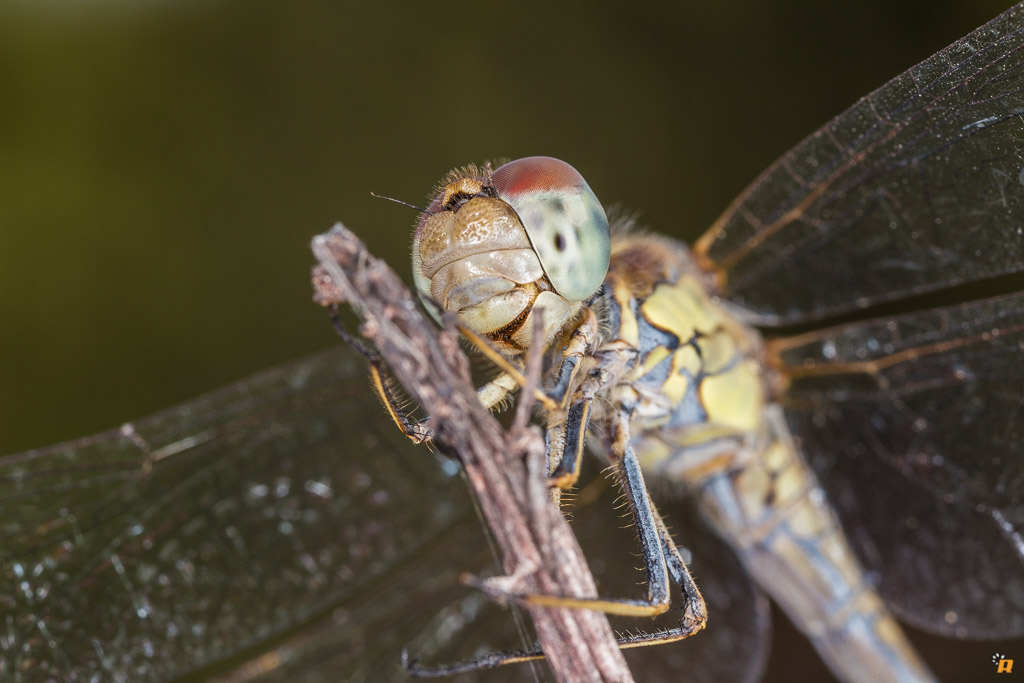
(769,506)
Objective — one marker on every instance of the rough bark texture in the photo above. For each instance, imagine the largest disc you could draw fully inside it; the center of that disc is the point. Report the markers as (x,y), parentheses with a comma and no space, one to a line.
(505,468)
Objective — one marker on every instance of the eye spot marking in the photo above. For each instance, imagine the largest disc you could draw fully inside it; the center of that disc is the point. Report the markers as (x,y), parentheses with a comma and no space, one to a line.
(559,242)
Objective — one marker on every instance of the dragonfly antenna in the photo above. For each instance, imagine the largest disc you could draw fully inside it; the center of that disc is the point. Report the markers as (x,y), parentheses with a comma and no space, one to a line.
(398,201)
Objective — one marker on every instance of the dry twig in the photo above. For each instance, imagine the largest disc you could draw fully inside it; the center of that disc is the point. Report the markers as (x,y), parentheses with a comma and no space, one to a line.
(540,552)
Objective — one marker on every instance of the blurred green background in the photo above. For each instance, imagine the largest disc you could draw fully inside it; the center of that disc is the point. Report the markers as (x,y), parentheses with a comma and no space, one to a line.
(163,165)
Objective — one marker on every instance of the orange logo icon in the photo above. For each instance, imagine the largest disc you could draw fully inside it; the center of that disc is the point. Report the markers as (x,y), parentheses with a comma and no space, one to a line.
(1003,665)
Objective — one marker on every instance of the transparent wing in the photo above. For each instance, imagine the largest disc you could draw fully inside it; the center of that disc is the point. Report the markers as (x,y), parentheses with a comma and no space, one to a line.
(916,187)
(915,425)
(278,527)
(186,538)
(734,648)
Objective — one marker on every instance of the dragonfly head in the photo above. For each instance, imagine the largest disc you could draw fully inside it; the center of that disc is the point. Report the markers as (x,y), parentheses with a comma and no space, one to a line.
(495,247)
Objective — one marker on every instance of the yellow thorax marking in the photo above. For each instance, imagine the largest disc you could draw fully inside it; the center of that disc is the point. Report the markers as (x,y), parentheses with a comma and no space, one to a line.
(685,364)
(681,308)
(734,398)
(730,388)
(628,330)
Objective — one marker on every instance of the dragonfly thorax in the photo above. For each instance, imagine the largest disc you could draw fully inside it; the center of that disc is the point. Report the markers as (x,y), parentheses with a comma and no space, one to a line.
(696,376)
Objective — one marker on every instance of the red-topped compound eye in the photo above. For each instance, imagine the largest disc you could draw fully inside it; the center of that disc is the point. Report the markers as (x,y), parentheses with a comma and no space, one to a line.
(564,220)
(536,173)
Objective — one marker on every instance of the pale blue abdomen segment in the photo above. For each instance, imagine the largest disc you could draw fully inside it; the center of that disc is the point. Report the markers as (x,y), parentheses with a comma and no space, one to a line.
(760,496)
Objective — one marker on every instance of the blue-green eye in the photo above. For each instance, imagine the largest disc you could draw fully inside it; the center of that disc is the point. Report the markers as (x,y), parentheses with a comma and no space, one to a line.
(565,222)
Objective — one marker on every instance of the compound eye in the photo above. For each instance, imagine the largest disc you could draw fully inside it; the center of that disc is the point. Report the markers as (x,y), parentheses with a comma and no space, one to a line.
(564,220)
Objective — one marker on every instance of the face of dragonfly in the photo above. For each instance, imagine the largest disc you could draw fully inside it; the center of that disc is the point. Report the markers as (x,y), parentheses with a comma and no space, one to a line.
(494,247)
(282,526)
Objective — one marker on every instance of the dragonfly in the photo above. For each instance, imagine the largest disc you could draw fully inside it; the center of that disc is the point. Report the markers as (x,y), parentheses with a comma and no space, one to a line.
(282,525)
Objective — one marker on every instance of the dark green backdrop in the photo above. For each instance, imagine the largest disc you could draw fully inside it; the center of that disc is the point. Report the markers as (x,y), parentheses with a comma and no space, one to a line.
(163,167)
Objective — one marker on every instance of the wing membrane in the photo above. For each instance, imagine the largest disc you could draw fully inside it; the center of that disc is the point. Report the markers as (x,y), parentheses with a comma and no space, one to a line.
(734,649)
(187,537)
(915,427)
(280,527)
(916,187)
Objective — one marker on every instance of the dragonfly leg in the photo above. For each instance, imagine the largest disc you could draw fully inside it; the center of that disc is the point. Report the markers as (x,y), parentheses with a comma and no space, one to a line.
(505,365)
(567,428)
(695,613)
(662,562)
(488,660)
(693,620)
(418,431)
(581,342)
(659,552)
(566,442)
(490,396)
